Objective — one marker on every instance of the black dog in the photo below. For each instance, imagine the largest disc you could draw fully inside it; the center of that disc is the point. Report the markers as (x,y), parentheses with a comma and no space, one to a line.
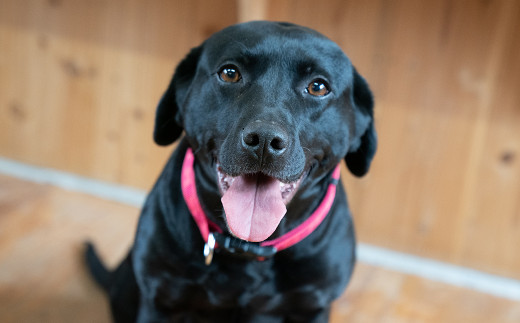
(269,110)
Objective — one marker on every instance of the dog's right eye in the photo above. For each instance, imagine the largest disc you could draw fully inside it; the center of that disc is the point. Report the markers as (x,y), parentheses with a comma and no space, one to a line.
(230,74)
(318,87)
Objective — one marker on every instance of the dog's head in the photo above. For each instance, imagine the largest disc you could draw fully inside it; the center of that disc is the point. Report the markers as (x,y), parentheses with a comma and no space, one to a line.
(268,108)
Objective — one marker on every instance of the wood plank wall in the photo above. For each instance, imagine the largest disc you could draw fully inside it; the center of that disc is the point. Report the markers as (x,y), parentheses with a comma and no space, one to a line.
(79,82)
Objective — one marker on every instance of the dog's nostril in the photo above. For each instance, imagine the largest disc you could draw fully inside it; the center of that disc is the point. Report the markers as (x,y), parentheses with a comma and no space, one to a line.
(251,139)
(278,143)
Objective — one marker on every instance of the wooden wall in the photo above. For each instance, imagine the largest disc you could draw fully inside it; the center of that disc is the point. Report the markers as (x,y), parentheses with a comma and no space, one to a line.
(79,82)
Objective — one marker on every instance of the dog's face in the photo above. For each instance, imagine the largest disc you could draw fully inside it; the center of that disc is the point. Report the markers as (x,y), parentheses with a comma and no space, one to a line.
(268,108)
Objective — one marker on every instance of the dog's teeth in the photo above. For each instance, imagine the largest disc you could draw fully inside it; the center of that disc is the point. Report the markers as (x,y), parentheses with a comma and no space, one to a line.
(286,189)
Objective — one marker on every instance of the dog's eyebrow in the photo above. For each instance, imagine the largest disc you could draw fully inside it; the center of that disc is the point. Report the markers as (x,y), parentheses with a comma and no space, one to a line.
(307,67)
(235,48)
(235,51)
(312,67)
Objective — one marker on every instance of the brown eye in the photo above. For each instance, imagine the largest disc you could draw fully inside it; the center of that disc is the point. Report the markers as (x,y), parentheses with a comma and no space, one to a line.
(230,74)
(318,87)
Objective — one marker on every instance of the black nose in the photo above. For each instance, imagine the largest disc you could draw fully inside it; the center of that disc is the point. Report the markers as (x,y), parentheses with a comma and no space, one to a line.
(265,139)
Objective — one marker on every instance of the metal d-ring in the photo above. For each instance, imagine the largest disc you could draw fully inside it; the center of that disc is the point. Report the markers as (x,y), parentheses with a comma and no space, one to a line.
(209,249)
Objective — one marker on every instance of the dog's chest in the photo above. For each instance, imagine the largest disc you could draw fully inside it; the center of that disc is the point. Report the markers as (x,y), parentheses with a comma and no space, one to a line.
(229,282)
(258,285)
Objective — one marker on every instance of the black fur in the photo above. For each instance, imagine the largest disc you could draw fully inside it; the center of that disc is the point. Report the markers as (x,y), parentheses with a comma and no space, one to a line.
(267,122)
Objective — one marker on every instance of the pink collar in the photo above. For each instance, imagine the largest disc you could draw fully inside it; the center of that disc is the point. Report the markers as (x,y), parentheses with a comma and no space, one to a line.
(207,228)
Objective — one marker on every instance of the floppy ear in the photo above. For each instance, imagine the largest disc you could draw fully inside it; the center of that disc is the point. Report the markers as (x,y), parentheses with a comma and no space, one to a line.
(168,120)
(364,145)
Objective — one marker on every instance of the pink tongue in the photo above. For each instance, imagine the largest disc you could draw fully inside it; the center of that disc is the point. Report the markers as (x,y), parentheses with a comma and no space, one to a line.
(254,207)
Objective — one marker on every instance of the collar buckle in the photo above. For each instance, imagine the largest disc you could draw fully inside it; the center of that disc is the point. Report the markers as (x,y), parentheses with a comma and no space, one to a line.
(209,249)
(243,249)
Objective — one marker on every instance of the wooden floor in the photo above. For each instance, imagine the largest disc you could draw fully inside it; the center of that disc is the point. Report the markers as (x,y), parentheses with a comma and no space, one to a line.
(43,279)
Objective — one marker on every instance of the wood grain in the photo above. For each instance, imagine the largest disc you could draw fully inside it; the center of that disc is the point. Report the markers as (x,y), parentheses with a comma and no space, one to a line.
(43,278)
(42,231)
(79,81)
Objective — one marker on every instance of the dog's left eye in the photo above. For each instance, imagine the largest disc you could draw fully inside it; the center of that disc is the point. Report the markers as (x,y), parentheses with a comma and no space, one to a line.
(230,74)
(318,87)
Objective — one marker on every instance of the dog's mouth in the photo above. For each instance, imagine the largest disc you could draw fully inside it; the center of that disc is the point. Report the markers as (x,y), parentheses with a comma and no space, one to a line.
(254,204)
